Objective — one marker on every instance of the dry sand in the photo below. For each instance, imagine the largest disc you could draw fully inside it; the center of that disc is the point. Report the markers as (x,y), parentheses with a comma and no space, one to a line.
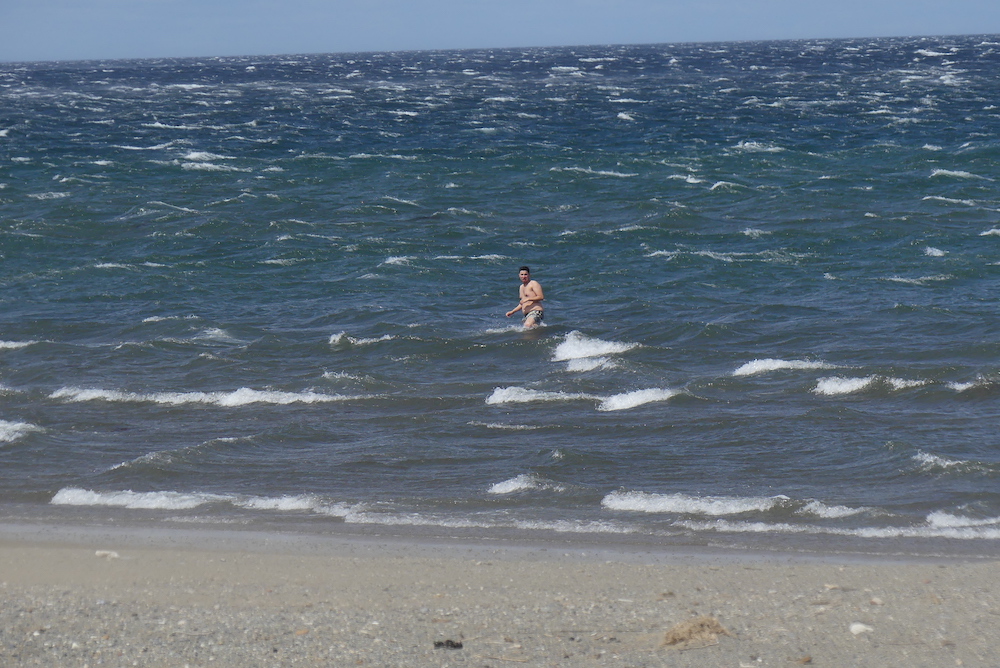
(162,599)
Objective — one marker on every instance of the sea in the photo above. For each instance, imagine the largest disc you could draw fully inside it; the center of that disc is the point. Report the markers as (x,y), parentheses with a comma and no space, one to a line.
(268,293)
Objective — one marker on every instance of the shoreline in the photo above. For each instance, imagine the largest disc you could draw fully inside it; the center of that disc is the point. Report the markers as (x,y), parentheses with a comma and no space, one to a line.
(120,596)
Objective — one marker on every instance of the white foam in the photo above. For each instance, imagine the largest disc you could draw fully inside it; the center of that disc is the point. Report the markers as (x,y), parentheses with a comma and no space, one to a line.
(595,172)
(401,259)
(930,251)
(589,364)
(522,395)
(963,387)
(754,233)
(992,232)
(47,196)
(11,431)
(923,280)
(14,345)
(72,496)
(204,156)
(936,527)
(767,365)
(577,346)
(523,483)
(839,385)
(210,167)
(904,383)
(622,116)
(942,520)
(929,462)
(757,147)
(645,502)
(505,427)
(820,509)
(342,337)
(281,503)
(958,174)
(950,200)
(626,400)
(240,397)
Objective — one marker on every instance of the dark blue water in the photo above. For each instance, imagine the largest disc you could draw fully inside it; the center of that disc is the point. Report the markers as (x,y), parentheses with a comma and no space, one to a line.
(272,291)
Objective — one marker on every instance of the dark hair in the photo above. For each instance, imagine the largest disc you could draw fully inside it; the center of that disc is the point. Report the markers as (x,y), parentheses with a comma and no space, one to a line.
(525,268)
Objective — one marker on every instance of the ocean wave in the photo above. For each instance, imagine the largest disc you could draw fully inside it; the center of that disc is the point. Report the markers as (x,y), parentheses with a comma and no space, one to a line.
(342,337)
(645,502)
(11,431)
(525,482)
(757,147)
(937,525)
(759,366)
(626,400)
(577,346)
(15,345)
(240,397)
(595,172)
(504,427)
(583,364)
(522,395)
(930,463)
(73,496)
(839,385)
(958,174)
(47,196)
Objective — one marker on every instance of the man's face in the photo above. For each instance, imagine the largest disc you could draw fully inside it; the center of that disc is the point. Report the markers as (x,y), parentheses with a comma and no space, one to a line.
(525,277)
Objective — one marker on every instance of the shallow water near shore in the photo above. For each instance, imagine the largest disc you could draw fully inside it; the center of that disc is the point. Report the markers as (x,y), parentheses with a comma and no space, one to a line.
(269,293)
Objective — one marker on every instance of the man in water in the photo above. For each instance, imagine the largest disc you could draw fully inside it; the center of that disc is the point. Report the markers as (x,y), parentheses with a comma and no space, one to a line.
(531,297)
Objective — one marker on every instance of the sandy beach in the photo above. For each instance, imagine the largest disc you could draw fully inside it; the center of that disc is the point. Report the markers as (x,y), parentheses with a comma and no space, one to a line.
(189,598)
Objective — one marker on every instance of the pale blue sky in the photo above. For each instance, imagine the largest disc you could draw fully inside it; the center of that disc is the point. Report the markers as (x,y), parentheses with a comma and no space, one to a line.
(88,29)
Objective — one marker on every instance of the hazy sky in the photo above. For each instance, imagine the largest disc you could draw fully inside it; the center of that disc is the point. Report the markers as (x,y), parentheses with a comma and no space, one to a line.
(86,29)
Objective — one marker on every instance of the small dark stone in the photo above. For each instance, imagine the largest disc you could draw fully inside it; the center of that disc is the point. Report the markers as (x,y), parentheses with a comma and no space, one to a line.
(447,644)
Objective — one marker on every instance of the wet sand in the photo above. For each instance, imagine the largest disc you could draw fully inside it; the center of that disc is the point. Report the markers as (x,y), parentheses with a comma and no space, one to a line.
(190,598)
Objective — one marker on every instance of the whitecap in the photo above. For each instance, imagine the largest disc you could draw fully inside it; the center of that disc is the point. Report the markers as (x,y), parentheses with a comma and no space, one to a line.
(577,345)
(930,251)
(14,345)
(241,397)
(504,427)
(963,387)
(11,431)
(757,147)
(523,483)
(839,385)
(522,395)
(821,509)
(47,196)
(904,383)
(595,172)
(646,502)
(767,365)
(636,398)
(949,200)
(944,520)
(958,174)
(585,364)
(928,462)
(282,503)
(72,496)
(399,259)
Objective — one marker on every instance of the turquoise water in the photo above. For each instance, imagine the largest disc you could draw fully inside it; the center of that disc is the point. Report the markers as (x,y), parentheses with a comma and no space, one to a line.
(271,292)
